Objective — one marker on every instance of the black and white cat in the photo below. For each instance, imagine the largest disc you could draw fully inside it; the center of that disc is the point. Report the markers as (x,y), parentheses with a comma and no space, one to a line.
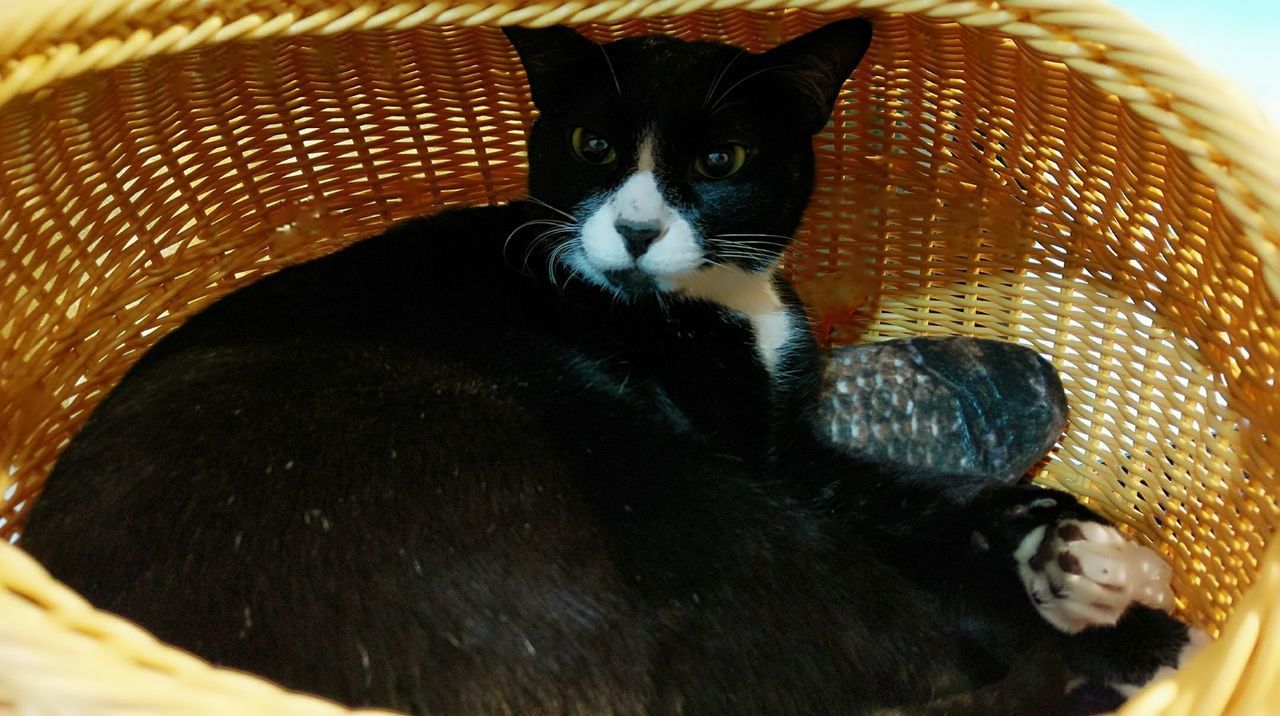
(559,456)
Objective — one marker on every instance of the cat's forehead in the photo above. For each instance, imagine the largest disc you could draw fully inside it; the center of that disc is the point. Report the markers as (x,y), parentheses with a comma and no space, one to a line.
(663,52)
(660,69)
(662,85)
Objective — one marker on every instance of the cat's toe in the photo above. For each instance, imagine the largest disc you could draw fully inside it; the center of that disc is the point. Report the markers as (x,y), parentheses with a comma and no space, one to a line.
(1081,574)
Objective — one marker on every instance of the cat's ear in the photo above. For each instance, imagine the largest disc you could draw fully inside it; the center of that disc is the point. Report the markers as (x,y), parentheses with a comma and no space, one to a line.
(553,58)
(817,63)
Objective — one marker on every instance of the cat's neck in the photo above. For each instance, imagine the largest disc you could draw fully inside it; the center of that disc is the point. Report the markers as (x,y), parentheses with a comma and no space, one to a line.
(776,323)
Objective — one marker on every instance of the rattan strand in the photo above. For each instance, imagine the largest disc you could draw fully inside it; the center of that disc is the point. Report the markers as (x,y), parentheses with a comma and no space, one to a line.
(1045,172)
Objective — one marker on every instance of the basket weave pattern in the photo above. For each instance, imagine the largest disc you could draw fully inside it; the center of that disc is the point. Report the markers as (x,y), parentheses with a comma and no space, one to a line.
(1039,171)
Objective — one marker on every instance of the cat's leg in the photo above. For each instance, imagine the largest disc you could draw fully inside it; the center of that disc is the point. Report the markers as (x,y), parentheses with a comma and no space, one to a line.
(1032,685)
(1018,567)
(1144,645)
(1025,568)
(1106,594)
(1083,573)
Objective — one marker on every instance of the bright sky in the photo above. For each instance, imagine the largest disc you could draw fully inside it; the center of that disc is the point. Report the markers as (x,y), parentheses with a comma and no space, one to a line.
(1238,39)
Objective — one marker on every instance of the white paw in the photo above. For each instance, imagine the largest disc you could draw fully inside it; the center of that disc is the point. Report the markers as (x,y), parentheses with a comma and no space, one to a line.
(1084,574)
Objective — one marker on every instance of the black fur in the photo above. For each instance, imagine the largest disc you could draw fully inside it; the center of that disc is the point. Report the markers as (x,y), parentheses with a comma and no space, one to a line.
(433,472)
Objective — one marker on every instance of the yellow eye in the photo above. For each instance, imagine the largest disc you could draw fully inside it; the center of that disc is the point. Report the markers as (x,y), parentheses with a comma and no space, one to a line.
(721,162)
(591,147)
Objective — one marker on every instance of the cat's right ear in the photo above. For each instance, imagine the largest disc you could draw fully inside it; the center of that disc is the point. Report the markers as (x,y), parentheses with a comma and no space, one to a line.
(554,58)
(815,65)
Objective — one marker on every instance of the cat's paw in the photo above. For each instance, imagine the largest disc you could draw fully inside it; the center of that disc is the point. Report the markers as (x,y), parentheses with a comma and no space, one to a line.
(1080,574)
(1197,639)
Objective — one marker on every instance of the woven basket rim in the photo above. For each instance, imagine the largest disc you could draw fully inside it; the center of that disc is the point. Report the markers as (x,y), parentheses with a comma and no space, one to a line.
(1204,115)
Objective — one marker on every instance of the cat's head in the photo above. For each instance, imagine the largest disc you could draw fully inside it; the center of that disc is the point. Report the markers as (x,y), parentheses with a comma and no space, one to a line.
(677,158)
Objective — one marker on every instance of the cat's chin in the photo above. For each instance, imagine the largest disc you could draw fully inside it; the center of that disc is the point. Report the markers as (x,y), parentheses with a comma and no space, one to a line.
(717,283)
(634,282)
(630,283)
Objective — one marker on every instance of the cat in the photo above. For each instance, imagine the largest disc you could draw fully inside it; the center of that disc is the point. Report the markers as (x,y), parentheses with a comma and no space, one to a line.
(560,455)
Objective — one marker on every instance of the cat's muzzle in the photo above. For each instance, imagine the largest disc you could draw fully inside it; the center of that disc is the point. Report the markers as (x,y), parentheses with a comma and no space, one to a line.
(632,281)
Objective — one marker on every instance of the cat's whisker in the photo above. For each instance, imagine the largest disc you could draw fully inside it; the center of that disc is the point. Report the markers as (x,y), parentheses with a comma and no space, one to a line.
(750,265)
(574,273)
(769,256)
(747,255)
(753,266)
(616,85)
(663,305)
(538,222)
(720,76)
(764,250)
(507,242)
(769,236)
(542,238)
(555,260)
(747,252)
(755,251)
(556,209)
(752,75)
(746,248)
(557,226)
(723,106)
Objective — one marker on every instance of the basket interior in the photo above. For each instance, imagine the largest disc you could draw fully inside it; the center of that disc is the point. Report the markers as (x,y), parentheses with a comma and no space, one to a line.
(967,186)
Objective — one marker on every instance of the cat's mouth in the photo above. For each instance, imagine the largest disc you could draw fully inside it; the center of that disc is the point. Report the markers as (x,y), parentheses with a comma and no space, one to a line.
(600,258)
(632,281)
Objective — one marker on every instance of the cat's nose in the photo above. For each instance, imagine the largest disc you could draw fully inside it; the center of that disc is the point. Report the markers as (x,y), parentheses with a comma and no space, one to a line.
(638,237)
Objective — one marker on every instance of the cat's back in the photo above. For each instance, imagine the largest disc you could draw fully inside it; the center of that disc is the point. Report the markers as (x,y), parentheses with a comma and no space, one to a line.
(395,286)
(416,469)
(345,427)
(269,366)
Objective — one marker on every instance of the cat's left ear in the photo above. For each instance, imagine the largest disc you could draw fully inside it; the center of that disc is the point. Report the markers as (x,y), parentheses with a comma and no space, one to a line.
(555,59)
(817,63)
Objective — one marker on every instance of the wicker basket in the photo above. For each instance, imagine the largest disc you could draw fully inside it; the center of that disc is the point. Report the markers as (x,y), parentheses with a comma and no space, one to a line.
(1043,171)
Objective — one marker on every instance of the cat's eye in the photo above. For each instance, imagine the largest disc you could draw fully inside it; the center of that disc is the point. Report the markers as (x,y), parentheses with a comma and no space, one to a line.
(591,147)
(721,162)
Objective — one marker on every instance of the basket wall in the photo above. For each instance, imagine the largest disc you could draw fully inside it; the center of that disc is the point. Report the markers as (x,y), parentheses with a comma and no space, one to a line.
(971,182)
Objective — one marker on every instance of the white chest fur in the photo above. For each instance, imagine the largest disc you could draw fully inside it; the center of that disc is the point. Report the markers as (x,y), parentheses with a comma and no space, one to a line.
(751,295)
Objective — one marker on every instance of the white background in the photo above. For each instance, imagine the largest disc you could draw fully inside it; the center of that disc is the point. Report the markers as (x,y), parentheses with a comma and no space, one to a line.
(1237,39)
